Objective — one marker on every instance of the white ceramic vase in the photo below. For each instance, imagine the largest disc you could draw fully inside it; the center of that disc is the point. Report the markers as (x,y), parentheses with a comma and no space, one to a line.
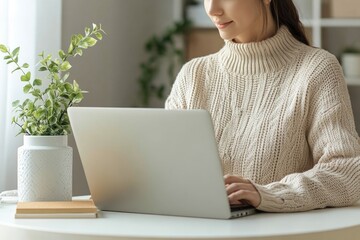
(45,169)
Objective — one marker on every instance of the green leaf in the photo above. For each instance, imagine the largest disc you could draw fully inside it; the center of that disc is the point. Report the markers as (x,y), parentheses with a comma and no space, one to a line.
(48,58)
(36,93)
(71,48)
(56,76)
(78,37)
(87,31)
(90,41)
(52,94)
(76,86)
(48,103)
(37,82)
(54,66)
(24,126)
(25,65)
(99,35)
(65,66)
(79,52)
(27,88)
(15,103)
(52,120)
(83,45)
(75,39)
(78,98)
(65,96)
(15,52)
(39,113)
(26,77)
(62,54)
(66,76)
(25,102)
(42,69)
(7,57)
(18,68)
(41,54)
(68,87)
(3,48)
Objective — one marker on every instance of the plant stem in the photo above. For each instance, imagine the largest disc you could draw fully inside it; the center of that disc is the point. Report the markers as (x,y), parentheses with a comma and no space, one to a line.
(27,132)
(14,60)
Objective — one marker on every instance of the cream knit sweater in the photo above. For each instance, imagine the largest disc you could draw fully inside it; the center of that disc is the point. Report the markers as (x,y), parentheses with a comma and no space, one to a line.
(282,118)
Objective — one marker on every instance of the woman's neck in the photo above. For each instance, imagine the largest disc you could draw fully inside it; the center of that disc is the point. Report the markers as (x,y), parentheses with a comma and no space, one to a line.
(260,57)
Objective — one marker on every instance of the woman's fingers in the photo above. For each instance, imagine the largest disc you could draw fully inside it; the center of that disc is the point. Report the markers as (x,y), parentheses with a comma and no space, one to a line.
(232,179)
(245,196)
(230,188)
(241,190)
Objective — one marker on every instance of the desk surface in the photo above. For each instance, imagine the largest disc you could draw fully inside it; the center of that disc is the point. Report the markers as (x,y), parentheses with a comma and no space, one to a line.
(332,223)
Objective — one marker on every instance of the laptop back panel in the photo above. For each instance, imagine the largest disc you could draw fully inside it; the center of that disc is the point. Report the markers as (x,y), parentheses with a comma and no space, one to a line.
(151,161)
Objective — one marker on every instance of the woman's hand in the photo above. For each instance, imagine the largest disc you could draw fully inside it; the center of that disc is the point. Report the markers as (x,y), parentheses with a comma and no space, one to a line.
(241,190)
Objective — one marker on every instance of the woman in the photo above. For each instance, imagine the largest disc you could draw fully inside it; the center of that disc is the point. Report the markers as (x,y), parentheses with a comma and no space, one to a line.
(281,111)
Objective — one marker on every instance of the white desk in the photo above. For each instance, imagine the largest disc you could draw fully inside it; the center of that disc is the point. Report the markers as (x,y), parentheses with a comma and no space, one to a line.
(337,223)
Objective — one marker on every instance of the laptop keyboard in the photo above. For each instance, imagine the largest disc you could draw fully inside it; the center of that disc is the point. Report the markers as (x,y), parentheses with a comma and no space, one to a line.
(239,207)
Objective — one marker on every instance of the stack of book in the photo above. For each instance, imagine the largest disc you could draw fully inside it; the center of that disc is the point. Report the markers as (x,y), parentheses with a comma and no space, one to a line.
(64,209)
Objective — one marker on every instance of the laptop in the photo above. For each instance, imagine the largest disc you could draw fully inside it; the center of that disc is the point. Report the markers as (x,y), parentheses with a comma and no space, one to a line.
(152,161)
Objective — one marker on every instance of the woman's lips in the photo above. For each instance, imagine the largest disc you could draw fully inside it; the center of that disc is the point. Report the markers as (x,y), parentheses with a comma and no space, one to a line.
(223,25)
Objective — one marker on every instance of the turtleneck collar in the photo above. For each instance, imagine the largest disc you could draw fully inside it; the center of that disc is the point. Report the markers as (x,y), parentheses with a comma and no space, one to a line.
(260,57)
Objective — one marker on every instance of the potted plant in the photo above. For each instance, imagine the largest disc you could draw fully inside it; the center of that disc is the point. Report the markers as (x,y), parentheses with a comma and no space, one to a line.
(162,52)
(45,159)
(350,60)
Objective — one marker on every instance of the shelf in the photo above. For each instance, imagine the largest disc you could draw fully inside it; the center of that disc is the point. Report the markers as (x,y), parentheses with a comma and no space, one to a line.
(307,22)
(334,22)
(331,22)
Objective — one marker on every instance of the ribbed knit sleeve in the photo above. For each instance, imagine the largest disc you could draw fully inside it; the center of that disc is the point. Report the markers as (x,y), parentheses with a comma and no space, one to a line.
(335,178)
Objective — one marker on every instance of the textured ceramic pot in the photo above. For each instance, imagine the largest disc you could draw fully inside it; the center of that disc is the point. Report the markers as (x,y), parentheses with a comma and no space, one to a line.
(45,169)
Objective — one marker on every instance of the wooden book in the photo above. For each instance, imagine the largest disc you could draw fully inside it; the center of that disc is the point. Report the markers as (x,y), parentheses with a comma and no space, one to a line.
(64,209)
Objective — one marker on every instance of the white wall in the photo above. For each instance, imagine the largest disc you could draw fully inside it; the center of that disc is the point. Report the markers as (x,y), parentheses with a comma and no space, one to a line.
(34,26)
(3,97)
(110,69)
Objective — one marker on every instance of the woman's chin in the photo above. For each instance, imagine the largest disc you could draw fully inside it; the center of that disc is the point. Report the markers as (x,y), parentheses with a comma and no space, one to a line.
(226,36)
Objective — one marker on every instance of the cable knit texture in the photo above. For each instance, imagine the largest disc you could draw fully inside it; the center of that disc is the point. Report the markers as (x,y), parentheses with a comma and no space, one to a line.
(282,118)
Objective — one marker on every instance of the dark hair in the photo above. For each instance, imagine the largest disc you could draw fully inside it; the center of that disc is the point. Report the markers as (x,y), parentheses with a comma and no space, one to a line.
(285,13)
